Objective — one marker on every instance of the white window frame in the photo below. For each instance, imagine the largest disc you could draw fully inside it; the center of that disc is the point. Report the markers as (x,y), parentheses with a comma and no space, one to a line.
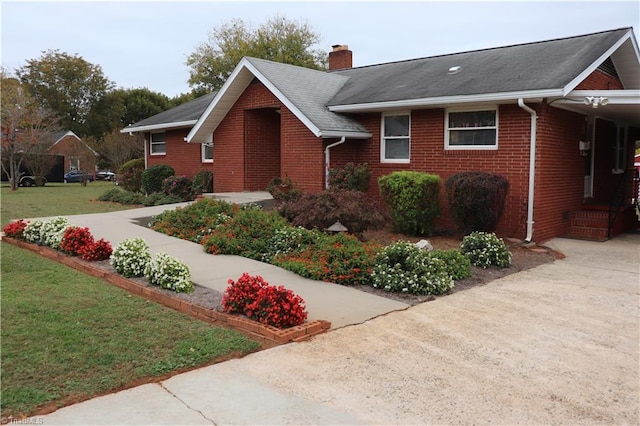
(151,143)
(447,129)
(203,150)
(384,139)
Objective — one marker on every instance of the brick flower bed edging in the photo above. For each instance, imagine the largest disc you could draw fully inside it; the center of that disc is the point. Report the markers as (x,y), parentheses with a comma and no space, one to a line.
(257,330)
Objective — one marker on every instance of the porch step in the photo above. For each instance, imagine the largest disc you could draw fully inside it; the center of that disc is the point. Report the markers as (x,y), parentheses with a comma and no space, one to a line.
(589,225)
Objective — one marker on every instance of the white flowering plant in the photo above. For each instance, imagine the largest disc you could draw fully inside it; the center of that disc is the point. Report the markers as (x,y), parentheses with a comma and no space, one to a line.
(32,231)
(52,231)
(288,239)
(131,257)
(168,272)
(404,267)
(485,249)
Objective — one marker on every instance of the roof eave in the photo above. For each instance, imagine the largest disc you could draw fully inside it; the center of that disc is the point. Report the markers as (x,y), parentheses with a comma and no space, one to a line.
(347,134)
(161,126)
(443,101)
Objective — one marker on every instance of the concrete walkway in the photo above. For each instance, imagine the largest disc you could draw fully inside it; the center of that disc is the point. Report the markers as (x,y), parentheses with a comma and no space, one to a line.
(325,301)
(557,344)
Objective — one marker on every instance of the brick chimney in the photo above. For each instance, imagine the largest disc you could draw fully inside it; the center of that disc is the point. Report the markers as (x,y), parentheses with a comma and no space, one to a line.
(340,58)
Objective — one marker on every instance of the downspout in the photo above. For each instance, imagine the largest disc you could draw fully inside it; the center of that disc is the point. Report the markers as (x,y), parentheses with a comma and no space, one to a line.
(532,168)
(327,160)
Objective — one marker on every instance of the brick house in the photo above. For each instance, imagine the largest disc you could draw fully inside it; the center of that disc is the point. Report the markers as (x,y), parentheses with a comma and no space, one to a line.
(557,118)
(77,154)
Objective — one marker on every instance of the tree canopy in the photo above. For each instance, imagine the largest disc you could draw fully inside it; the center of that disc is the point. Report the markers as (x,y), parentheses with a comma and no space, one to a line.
(279,39)
(67,85)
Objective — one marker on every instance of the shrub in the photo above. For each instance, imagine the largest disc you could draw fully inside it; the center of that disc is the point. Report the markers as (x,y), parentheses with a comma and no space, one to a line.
(241,293)
(354,209)
(154,176)
(179,187)
(194,221)
(52,231)
(75,240)
(160,198)
(277,307)
(283,189)
(351,177)
(130,175)
(254,297)
(288,239)
(341,259)
(112,194)
(458,265)
(32,231)
(485,249)
(99,250)
(412,198)
(247,234)
(15,229)
(168,272)
(203,182)
(403,267)
(476,200)
(130,258)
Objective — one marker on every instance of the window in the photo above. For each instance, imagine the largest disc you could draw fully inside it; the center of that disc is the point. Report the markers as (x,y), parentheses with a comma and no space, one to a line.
(207,152)
(471,129)
(395,138)
(619,149)
(158,144)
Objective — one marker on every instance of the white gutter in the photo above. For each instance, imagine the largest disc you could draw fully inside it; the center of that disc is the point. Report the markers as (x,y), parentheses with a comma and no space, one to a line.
(327,160)
(532,168)
(160,126)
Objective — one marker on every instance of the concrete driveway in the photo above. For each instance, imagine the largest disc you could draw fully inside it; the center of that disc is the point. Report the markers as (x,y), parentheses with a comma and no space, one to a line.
(556,344)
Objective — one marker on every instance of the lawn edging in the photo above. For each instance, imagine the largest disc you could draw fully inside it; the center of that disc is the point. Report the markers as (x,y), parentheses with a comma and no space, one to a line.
(257,330)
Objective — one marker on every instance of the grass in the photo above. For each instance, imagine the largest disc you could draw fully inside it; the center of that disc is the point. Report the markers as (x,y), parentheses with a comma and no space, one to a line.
(67,337)
(55,199)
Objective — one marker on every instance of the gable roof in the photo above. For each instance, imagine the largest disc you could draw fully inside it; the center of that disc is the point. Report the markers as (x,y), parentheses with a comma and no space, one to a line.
(57,137)
(303,91)
(185,115)
(531,70)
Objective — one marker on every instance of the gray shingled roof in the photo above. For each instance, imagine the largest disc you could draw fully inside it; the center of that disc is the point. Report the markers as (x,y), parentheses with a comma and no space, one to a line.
(525,67)
(189,111)
(310,91)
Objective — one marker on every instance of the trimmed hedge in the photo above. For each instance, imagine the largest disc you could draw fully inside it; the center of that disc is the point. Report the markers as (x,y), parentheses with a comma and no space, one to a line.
(412,198)
(130,175)
(154,176)
(476,200)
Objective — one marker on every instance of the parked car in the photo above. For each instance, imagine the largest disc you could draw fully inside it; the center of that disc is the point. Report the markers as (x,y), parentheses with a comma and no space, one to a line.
(76,176)
(32,181)
(106,175)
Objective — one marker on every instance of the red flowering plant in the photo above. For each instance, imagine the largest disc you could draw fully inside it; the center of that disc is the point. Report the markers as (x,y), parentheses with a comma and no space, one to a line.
(278,307)
(75,240)
(15,229)
(100,250)
(242,293)
(254,297)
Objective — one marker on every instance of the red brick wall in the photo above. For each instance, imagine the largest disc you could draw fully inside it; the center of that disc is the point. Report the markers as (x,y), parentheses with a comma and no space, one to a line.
(302,155)
(559,174)
(262,148)
(185,158)
(70,147)
(599,80)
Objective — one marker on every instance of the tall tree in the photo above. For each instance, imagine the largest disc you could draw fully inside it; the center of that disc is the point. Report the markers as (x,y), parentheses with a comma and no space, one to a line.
(66,84)
(279,39)
(117,148)
(27,127)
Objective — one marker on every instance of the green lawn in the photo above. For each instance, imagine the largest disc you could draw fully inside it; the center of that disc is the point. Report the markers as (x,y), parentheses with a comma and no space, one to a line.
(67,336)
(55,199)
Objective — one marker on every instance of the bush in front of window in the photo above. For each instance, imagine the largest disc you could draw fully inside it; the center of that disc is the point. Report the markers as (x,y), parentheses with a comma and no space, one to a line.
(130,175)
(412,199)
(203,182)
(153,177)
(476,200)
(178,187)
(354,177)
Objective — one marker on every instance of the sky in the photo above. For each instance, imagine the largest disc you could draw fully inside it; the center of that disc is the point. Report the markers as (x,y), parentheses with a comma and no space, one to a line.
(146,44)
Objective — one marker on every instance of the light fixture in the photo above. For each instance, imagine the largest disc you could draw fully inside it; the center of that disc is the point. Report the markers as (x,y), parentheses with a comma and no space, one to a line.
(337,227)
(596,101)
(585,147)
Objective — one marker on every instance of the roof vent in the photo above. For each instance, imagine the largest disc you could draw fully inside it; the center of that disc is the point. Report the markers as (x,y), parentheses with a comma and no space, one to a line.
(454,70)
